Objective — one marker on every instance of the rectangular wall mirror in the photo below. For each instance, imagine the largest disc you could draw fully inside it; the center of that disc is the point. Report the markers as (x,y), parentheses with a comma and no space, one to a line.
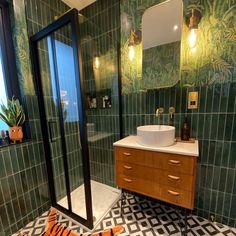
(161,44)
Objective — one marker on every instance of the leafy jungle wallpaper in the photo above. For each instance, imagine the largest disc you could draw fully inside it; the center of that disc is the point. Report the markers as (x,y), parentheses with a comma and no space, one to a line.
(212,62)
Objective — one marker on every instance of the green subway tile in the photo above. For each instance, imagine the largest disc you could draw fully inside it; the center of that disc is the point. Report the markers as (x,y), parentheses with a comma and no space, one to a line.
(207,123)
(202,101)
(209,99)
(205,150)
(209,177)
(216,98)
(228,127)
(230,181)
(207,200)
(4,216)
(224,97)
(223,174)
(7,161)
(213,128)
(10,212)
(216,178)
(220,203)
(203,175)
(221,127)
(225,154)
(227,201)
(231,98)
(2,169)
(234,128)
(213,202)
(201,129)
(12,187)
(218,153)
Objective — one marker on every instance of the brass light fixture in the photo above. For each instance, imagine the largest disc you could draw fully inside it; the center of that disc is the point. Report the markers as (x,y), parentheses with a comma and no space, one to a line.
(193,21)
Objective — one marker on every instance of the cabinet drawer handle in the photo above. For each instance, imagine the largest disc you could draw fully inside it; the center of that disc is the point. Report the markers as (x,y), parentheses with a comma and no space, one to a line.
(172,177)
(128,167)
(128,180)
(173,193)
(174,162)
(127,154)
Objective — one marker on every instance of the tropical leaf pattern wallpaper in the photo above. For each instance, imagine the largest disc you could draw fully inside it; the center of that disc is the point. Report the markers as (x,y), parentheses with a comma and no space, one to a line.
(21,42)
(162,64)
(213,61)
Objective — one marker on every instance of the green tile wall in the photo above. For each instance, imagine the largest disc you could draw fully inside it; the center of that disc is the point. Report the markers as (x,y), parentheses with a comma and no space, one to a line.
(99,33)
(23,183)
(213,123)
(26,194)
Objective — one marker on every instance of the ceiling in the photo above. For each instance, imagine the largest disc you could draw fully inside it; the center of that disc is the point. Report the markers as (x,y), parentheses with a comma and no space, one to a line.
(78,4)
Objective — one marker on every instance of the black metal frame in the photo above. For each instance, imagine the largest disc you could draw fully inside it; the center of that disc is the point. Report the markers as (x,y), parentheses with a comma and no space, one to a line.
(8,52)
(71,17)
(120,84)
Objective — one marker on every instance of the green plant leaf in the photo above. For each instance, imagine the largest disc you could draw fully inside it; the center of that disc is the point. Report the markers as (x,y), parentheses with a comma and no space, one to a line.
(12,113)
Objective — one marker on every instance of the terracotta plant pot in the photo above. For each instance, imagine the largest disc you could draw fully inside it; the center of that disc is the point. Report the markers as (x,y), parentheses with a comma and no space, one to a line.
(16,134)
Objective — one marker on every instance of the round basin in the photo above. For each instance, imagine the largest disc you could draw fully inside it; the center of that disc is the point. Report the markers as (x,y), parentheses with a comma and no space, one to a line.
(156,135)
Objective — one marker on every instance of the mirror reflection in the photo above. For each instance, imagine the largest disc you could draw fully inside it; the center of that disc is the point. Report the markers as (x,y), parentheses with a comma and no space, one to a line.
(161,44)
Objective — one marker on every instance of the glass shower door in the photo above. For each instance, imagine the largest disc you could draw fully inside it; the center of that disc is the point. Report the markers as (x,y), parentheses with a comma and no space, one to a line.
(62,116)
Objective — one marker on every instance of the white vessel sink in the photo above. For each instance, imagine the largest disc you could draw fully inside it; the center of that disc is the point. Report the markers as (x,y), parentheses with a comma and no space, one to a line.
(156,135)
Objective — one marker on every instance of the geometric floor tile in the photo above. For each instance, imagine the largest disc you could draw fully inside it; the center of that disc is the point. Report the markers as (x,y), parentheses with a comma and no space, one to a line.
(142,217)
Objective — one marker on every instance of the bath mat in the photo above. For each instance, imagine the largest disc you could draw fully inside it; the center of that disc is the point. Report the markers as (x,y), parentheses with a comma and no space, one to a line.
(54,228)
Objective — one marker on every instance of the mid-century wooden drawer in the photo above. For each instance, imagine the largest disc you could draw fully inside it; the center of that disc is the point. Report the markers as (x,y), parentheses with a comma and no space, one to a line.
(177,163)
(133,170)
(165,161)
(138,185)
(130,155)
(177,196)
(174,179)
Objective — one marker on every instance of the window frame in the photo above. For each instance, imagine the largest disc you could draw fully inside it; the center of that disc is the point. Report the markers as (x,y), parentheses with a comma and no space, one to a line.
(8,52)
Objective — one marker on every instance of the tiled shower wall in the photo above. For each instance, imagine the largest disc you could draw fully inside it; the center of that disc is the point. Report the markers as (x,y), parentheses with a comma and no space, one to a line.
(99,33)
(23,182)
(23,178)
(213,123)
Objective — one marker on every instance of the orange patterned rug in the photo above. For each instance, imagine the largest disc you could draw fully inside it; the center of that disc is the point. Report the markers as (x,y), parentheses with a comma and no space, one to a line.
(54,228)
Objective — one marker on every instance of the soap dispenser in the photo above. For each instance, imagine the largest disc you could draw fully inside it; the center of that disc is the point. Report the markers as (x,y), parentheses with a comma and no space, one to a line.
(185,131)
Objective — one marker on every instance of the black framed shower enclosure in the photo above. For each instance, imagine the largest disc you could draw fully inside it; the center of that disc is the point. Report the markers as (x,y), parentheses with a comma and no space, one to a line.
(57,122)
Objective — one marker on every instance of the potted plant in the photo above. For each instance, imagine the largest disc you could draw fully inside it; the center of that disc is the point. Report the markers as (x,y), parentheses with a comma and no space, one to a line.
(13,115)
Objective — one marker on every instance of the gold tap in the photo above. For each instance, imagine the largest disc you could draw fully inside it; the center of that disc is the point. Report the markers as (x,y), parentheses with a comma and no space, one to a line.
(159,111)
(171,112)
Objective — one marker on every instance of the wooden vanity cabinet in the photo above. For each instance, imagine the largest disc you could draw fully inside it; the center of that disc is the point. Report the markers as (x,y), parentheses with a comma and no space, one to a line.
(164,176)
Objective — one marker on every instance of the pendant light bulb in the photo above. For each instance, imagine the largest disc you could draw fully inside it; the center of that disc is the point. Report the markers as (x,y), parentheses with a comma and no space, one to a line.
(131,53)
(192,38)
(96,62)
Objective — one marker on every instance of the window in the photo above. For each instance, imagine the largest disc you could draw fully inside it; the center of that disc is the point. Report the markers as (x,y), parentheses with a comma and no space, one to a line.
(3,93)
(8,74)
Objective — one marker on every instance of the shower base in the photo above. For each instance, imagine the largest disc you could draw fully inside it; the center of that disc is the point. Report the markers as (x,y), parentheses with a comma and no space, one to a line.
(103,199)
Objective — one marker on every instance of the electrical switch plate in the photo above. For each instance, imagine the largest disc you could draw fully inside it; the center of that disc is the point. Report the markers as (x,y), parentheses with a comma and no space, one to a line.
(192,100)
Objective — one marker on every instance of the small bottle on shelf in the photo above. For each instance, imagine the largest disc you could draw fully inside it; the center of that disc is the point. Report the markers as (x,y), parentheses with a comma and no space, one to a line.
(185,131)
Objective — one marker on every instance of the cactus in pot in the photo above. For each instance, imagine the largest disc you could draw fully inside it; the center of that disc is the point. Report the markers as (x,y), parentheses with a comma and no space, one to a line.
(13,115)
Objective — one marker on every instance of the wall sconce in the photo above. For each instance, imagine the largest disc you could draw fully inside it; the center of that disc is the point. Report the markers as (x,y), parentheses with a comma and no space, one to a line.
(193,21)
(134,39)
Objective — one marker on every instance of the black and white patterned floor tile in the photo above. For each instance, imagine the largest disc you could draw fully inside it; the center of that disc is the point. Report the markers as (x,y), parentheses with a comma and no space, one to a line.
(142,217)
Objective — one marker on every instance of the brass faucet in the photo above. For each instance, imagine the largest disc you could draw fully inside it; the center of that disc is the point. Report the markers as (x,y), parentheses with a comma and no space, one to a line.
(171,112)
(159,111)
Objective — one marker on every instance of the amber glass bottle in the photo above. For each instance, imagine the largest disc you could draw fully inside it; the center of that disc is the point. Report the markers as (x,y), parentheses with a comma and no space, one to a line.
(185,131)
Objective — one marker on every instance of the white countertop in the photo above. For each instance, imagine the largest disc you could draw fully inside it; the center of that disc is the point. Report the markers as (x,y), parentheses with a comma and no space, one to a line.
(188,149)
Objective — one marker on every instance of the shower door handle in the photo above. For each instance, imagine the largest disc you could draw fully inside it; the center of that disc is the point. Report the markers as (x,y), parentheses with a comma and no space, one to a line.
(50,123)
